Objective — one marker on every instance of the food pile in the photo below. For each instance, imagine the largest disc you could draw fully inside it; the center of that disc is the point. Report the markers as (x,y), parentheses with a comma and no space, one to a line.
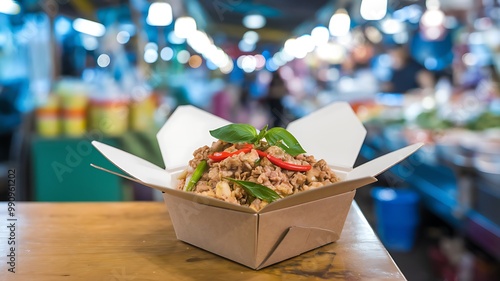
(253,168)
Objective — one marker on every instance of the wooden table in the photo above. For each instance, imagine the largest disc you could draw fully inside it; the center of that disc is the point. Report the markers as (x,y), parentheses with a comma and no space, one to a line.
(136,241)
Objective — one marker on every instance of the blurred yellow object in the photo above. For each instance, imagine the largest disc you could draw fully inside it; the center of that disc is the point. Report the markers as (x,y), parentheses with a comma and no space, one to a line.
(48,124)
(73,94)
(74,119)
(74,122)
(142,114)
(72,101)
(47,118)
(109,117)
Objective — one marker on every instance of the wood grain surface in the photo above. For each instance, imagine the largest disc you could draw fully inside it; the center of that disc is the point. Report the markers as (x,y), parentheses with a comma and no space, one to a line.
(136,241)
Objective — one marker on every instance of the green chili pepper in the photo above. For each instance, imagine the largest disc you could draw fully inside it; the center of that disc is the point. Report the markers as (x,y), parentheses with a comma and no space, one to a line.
(198,172)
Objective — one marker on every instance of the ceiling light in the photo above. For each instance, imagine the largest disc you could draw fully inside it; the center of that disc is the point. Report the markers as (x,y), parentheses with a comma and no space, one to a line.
(249,64)
(123,37)
(331,52)
(432,4)
(103,60)
(433,18)
(290,47)
(184,27)
(89,27)
(183,56)
(89,43)
(150,56)
(251,37)
(151,46)
(226,69)
(217,56)
(340,23)
(298,48)
(246,47)
(172,38)
(320,35)
(210,52)
(254,21)
(432,21)
(167,53)
(159,14)
(373,9)
(199,41)
(9,7)
(239,61)
(391,26)
(306,42)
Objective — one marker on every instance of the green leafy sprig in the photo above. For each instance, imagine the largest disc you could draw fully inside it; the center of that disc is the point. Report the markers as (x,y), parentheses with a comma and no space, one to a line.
(244,133)
(257,190)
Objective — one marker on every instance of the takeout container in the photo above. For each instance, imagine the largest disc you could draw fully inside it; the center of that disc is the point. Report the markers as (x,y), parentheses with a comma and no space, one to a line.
(284,228)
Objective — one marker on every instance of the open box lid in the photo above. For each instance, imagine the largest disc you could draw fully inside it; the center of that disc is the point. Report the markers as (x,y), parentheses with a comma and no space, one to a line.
(186,130)
(333,133)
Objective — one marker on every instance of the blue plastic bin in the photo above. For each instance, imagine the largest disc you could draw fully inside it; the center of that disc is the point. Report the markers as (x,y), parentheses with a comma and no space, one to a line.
(397,217)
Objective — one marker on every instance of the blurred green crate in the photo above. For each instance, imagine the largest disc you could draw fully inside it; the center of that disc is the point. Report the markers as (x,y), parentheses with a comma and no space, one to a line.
(62,171)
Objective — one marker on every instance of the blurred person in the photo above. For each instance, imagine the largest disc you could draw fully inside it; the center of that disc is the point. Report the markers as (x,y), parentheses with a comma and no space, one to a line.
(225,102)
(357,81)
(407,74)
(275,94)
(251,110)
(488,87)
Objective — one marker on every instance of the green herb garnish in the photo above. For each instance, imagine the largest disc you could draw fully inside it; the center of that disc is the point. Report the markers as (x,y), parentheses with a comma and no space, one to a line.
(236,133)
(257,190)
(244,133)
(284,139)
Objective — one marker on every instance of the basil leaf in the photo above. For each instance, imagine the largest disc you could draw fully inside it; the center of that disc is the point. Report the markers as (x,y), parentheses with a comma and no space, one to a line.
(257,190)
(235,133)
(284,139)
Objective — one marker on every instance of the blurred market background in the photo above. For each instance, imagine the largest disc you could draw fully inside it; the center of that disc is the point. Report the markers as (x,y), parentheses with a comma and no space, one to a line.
(72,71)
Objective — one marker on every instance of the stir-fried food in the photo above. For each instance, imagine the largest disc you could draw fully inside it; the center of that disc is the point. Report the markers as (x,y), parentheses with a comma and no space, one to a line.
(253,169)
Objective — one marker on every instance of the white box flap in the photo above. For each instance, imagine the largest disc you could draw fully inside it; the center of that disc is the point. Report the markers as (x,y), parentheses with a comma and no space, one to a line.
(333,133)
(137,167)
(382,163)
(186,130)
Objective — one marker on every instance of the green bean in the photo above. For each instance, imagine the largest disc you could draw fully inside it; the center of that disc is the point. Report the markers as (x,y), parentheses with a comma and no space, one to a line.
(198,172)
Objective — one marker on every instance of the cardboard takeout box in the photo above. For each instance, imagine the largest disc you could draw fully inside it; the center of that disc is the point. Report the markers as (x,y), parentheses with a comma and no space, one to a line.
(284,228)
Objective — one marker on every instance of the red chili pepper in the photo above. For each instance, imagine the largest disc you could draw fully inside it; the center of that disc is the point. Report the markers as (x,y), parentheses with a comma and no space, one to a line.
(285,165)
(219,156)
